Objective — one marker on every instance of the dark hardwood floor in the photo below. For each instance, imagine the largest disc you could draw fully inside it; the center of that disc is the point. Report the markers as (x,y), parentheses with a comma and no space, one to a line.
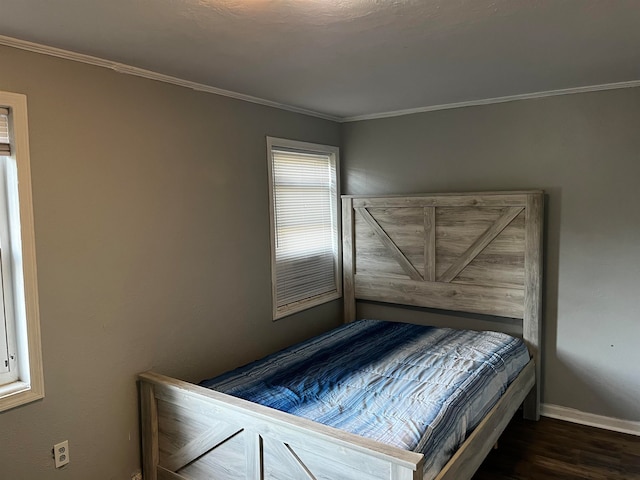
(560,450)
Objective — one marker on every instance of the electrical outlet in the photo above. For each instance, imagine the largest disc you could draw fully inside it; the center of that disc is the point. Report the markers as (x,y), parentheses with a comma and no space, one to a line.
(137,476)
(61,453)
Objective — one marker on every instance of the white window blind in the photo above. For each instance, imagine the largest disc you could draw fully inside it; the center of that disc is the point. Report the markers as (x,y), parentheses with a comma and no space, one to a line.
(5,148)
(305,227)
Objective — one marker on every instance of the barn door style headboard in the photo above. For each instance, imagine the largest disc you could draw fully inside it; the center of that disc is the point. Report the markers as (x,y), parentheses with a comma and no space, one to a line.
(467,252)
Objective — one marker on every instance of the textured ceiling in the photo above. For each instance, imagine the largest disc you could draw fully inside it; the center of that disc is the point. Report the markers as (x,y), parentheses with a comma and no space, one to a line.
(348,58)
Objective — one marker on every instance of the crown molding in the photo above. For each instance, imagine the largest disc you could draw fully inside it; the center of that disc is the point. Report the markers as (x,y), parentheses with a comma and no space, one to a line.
(160,77)
(140,72)
(490,101)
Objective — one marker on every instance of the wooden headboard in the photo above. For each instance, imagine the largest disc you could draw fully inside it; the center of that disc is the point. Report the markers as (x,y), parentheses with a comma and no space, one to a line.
(467,252)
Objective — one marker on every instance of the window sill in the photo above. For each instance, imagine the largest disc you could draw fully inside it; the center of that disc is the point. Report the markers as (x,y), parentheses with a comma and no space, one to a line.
(305,304)
(16,394)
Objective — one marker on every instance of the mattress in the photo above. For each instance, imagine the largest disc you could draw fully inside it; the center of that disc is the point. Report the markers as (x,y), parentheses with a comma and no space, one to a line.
(414,387)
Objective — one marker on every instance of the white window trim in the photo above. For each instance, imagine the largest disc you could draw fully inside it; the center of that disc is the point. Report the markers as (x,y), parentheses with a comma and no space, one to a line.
(305,304)
(30,383)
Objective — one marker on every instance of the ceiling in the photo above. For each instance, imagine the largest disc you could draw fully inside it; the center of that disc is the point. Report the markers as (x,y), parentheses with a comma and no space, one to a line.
(349,59)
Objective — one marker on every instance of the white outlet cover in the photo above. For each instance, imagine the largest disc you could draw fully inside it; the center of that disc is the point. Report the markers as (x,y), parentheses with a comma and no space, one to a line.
(61,453)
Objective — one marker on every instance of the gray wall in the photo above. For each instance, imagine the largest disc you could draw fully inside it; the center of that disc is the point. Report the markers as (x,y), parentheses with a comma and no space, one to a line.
(152,243)
(584,151)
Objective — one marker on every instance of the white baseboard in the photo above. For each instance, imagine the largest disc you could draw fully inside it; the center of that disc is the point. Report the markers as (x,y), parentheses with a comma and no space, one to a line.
(590,419)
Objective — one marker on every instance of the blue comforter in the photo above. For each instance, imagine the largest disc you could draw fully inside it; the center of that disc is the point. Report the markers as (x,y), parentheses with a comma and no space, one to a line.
(414,387)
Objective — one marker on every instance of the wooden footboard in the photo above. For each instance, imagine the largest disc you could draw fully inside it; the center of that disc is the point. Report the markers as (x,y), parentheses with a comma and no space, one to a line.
(191,432)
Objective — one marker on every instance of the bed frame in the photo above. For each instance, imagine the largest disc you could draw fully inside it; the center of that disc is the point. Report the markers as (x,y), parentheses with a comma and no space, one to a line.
(477,252)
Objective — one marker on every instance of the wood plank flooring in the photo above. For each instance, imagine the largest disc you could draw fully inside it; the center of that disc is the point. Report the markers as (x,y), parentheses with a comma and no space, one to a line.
(560,450)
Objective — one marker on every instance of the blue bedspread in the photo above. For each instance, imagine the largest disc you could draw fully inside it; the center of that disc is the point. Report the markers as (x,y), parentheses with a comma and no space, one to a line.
(414,387)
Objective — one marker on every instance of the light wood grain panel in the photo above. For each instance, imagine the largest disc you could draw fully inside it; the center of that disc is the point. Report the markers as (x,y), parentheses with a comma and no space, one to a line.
(199,446)
(481,243)
(181,430)
(149,419)
(375,262)
(280,463)
(164,474)
(465,218)
(321,469)
(177,427)
(371,254)
(404,474)
(532,332)
(392,248)
(254,455)
(405,227)
(453,200)
(228,461)
(457,229)
(455,240)
(348,260)
(510,242)
(492,271)
(501,263)
(505,302)
(429,243)
(398,216)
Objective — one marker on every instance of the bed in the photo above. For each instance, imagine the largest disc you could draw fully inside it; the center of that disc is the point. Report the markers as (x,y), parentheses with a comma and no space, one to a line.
(473,252)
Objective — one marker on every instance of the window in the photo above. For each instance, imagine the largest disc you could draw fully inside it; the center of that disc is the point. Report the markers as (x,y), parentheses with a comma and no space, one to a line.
(21,379)
(305,247)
